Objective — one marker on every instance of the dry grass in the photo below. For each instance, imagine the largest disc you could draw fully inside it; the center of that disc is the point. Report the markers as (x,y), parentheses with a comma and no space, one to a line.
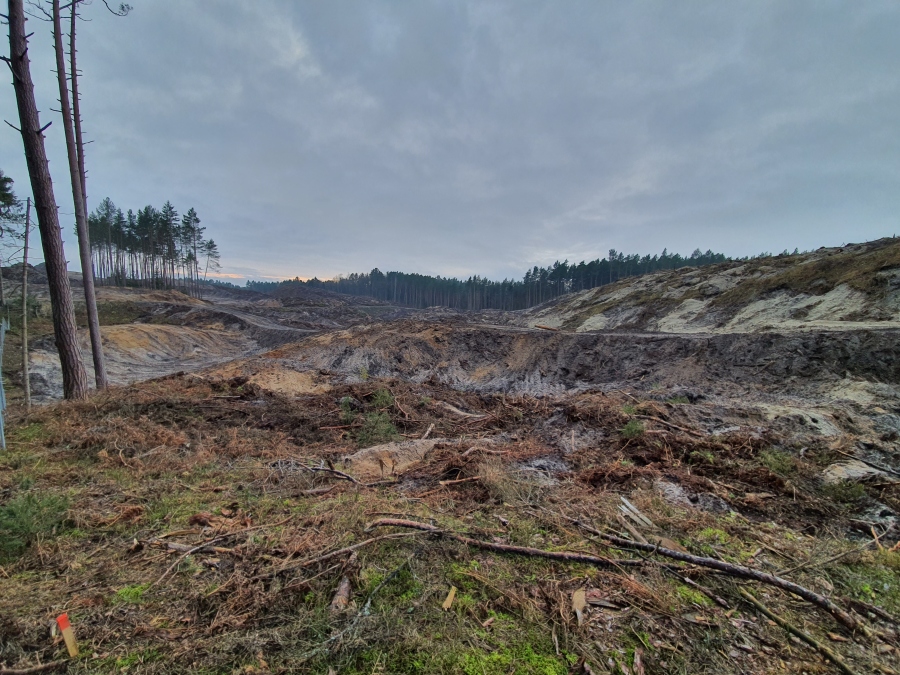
(185,461)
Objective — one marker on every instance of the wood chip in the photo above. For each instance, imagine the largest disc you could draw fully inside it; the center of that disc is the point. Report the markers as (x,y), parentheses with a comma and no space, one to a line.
(834,637)
(448,603)
(578,604)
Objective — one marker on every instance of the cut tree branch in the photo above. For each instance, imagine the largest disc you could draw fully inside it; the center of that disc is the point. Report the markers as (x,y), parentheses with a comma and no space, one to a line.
(735,571)
(43,668)
(808,639)
(562,556)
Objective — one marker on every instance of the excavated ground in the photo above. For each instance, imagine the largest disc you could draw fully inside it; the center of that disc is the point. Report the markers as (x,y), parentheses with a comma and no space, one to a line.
(225,518)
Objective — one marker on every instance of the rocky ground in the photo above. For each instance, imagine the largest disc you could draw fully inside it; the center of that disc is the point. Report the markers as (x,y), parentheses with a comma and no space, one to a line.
(296,483)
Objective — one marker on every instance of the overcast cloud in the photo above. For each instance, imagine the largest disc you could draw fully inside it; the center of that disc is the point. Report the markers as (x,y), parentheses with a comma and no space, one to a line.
(458,138)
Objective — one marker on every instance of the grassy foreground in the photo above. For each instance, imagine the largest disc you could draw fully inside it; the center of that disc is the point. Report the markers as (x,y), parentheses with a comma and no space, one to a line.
(189,525)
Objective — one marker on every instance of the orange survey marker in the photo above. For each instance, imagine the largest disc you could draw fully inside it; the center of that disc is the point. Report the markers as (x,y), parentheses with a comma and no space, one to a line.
(63,622)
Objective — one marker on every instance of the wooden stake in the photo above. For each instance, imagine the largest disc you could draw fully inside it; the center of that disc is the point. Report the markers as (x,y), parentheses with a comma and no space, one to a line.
(448,603)
(63,622)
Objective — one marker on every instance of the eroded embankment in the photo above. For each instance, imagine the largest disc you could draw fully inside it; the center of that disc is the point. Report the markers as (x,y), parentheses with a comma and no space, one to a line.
(503,359)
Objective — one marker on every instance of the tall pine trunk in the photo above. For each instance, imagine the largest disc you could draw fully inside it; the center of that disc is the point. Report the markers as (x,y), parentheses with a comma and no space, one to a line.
(26,382)
(84,242)
(64,327)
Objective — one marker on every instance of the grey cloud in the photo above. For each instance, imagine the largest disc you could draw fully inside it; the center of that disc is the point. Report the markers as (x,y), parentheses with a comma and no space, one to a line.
(485,137)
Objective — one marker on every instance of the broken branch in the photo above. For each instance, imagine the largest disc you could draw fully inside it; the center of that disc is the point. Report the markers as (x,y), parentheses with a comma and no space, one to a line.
(43,668)
(669,424)
(562,556)
(736,571)
(808,639)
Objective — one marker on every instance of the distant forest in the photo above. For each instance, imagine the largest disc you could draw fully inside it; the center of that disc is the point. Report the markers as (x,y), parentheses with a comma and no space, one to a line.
(538,285)
(152,248)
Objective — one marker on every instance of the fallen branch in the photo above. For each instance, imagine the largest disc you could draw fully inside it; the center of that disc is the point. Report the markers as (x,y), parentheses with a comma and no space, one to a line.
(563,556)
(736,571)
(808,639)
(334,554)
(43,668)
(864,608)
(874,465)
(208,543)
(333,472)
(184,548)
(669,424)
(459,480)
(475,448)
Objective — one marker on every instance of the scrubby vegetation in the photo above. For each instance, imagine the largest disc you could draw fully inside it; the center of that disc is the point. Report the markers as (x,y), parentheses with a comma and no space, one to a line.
(190,525)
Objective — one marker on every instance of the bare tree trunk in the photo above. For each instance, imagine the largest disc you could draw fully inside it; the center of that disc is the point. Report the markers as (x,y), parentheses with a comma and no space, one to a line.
(64,327)
(84,242)
(26,383)
(76,107)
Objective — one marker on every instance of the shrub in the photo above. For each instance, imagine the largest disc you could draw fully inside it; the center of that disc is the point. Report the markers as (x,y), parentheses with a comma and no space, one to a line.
(382,398)
(633,429)
(377,428)
(26,518)
(777,461)
(844,493)
(347,413)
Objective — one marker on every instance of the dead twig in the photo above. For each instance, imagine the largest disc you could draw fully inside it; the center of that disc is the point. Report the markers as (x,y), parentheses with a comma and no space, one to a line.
(208,543)
(865,607)
(808,639)
(811,563)
(563,556)
(334,554)
(669,424)
(43,668)
(459,480)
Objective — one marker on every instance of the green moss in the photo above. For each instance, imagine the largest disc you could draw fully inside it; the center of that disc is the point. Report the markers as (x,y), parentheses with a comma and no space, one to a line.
(711,535)
(844,493)
(875,579)
(692,596)
(347,413)
(519,660)
(131,594)
(678,400)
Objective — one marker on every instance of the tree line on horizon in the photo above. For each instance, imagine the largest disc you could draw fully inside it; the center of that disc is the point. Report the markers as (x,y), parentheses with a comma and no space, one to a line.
(152,248)
(538,285)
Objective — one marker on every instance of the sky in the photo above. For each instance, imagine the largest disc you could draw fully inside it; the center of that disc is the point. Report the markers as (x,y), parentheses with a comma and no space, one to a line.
(479,137)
